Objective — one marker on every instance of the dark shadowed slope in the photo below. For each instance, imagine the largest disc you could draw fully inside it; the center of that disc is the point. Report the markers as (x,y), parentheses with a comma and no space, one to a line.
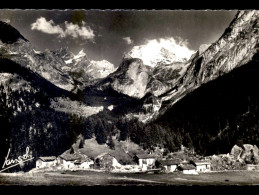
(9,34)
(221,112)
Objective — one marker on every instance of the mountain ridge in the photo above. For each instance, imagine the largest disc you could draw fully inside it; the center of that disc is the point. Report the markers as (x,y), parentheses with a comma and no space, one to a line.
(152,106)
(234,48)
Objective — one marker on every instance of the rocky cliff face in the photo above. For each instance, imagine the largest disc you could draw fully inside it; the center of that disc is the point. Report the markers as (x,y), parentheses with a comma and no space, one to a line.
(100,69)
(142,72)
(165,77)
(84,71)
(167,60)
(131,78)
(16,48)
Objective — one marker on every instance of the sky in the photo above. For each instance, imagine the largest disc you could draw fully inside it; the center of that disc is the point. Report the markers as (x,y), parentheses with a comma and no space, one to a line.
(109,34)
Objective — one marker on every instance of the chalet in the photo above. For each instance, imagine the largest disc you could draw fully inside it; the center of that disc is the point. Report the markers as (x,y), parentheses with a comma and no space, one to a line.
(46,161)
(201,166)
(86,163)
(251,167)
(76,160)
(67,161)
(145,161)
(106,161)
(170,165)
(188,169)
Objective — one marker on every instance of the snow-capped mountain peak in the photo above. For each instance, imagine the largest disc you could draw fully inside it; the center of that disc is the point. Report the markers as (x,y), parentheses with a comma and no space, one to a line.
(37,52)
(68,61)
(82,69)
(81,54)
(161,51)
(100,68)
(75,58)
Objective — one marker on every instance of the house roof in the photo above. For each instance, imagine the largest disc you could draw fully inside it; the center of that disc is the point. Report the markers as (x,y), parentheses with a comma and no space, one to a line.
(145,156)
(72,157)
(134,153)
(201,162)
(187,167)
(47,158)
(82,161)
(170,162)
(252,165)
(104,154)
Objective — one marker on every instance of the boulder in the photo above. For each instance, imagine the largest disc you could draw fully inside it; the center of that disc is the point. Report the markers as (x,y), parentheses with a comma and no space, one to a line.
(236,151)
(248,153)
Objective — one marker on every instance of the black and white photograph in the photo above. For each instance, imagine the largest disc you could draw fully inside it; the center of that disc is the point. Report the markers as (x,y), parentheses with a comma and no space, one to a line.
(129,97)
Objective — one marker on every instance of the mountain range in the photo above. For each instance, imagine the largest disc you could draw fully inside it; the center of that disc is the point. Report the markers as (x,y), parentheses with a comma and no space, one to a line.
(208,102)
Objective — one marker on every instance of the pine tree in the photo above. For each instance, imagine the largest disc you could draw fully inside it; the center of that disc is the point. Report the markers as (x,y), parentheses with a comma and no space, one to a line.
(72,150)
(100,133)
(81,143)
(187,142)
(111,143)
(5,121)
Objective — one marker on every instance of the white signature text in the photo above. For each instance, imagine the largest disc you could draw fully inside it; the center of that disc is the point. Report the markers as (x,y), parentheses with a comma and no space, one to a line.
(8,163)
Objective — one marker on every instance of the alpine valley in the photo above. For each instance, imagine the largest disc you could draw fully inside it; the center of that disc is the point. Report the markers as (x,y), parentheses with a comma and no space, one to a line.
(58,101)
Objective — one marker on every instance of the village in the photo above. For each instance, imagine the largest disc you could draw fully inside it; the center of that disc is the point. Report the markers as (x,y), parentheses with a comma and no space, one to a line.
(181,162)
(131,165)
(144,163)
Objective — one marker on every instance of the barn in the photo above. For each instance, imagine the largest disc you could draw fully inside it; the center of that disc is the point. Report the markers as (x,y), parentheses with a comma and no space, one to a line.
(46,161)
(169,166)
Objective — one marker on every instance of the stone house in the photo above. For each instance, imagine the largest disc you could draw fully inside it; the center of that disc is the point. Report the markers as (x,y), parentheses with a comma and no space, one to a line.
(46,161)
(66,162)
(202,166)
(76,160)
(251,167)
(188,169)
(84,163)
(145,161)
(169,166)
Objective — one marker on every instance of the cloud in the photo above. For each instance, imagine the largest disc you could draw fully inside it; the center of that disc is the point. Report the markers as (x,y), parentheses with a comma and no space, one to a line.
(48,27)
(75,31)
(128,40)
(70,29)
(166,50)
